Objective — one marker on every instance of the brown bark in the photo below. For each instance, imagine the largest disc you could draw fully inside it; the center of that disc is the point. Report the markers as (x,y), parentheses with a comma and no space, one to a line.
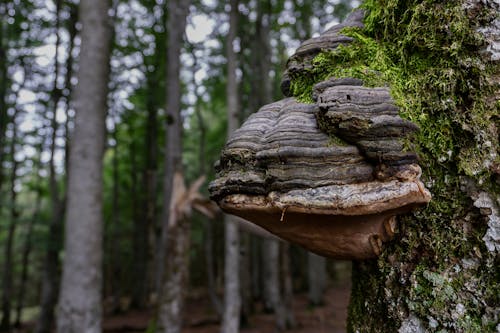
(79,307)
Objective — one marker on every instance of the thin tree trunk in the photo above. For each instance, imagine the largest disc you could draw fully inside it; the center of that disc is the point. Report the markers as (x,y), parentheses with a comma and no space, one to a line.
(232,297)
(26,253)
(316,273)
(170,312)
(287,286)
(174,246)
(3,87)
(140,234)
(140,297)
(113,272)
(79,308)
(256,263)
(5,324)
(207,226)
(50,279)
(177,11)
(247,307)
(272,288)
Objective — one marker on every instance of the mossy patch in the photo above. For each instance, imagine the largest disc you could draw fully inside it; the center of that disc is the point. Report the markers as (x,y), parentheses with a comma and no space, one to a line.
(427,53)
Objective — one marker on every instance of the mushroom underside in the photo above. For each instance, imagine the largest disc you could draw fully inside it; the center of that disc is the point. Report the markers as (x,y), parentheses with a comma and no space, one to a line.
(341,222)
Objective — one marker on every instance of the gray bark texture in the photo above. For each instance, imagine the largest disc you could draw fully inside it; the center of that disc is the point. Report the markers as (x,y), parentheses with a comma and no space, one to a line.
(232,297)
(174,246)
(79,306)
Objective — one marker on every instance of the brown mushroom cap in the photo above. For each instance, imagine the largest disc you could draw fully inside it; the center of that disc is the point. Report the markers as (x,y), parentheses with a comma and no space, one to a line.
(280,171)
(330,176)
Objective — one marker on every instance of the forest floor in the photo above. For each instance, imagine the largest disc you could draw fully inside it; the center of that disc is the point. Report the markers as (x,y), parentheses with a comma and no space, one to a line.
(329,318)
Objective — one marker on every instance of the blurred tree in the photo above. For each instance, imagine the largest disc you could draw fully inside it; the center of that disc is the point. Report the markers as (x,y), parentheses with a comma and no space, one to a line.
(316,273)
(4,44)
(27,246)
(175,240)
(80,296)
(51,267)
(232,296)
(8,270)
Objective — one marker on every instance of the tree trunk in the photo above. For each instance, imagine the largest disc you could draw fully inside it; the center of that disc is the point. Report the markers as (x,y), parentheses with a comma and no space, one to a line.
(7,292)
(316,273)
(139,237)
(149,210)
(245,274)
(174,246)
(272,287)
(171,307)
(79,307)
(27,251)
(112,286)
(208,237)
(232,297)
(441,272)
(287,286)
(50,279)
(3,87)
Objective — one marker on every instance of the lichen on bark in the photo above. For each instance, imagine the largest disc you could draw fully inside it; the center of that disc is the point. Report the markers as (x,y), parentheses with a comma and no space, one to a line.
(441,62)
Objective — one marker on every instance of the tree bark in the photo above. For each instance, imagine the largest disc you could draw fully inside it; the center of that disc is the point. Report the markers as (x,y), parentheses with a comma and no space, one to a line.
(441,272)
(232,297)
(174,247)
(79,306)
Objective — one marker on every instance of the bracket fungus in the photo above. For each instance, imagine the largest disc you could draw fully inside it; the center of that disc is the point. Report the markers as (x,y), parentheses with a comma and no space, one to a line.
(330,176)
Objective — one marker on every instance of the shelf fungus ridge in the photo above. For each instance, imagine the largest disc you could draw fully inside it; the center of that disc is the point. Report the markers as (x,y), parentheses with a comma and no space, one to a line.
(331,176)
(301,61)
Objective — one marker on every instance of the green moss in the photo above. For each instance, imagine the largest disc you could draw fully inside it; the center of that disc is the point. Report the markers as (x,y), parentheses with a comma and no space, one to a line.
(426,52)
(336,141)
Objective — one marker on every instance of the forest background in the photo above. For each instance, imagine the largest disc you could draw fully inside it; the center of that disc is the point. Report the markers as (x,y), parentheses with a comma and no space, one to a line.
(39,64)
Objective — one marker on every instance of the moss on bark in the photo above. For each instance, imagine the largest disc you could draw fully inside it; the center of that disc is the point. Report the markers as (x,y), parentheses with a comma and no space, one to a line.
(439,274)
